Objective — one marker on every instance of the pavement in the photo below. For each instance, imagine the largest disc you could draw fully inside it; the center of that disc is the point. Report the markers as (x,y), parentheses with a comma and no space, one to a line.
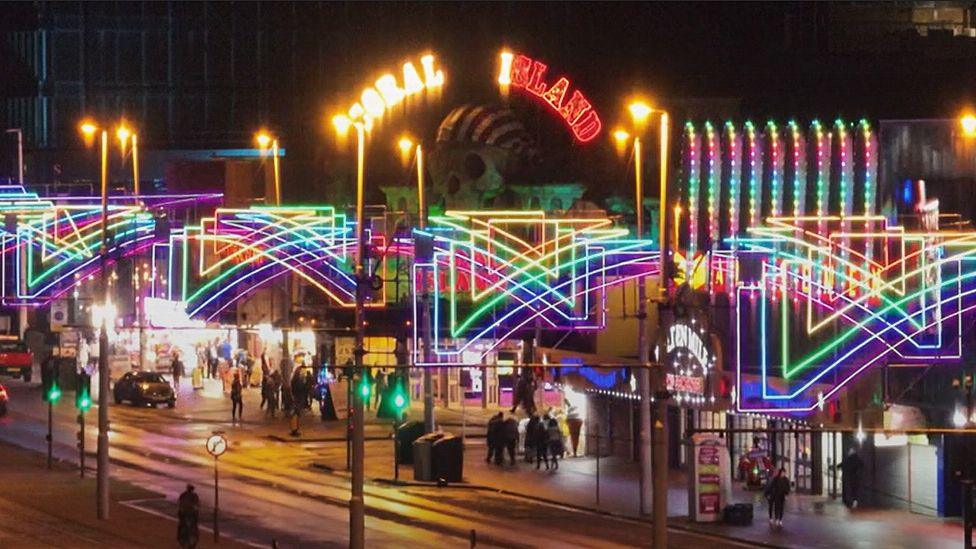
(56,508)
(295,489)
(271,489)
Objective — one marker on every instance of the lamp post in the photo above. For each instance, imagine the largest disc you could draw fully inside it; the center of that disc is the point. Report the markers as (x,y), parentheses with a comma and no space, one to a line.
(265,142)
(653,449)
(405,145)
(357,511)
(22,310)
(88,130)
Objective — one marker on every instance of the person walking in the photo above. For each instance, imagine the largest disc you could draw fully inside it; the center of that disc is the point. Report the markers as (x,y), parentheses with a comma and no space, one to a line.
(509,436)
(236,399)
(850,468)
(379,391)
(491,436)
(531,437)
(188,517)
(274,392)
(542,443)
(554,437)
(776,491)
(177,371)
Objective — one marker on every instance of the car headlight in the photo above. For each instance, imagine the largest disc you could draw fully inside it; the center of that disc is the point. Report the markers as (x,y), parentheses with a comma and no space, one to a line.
(144,386)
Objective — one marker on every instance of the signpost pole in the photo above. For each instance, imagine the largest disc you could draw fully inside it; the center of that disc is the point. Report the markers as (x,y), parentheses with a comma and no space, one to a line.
(216,510)
(216,446)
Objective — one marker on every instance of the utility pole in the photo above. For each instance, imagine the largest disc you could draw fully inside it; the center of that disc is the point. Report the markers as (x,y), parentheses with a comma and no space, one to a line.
(425,302)
(22,310)
(643,345)
(357,506)
(103,373)
(659,450)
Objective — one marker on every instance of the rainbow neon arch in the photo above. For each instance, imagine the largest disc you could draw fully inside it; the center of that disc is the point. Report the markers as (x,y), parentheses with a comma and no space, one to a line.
(500,272)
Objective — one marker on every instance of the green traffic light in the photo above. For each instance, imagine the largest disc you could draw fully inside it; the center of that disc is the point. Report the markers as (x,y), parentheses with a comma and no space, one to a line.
(364,390)
(54,394)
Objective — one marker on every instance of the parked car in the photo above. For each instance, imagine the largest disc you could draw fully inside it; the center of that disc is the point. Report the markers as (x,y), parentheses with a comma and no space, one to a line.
(4,397)
(142,388)
(15,358)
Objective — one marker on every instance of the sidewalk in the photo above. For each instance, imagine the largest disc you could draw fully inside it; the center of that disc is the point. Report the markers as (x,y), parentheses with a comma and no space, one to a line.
(810,521)
(56,508)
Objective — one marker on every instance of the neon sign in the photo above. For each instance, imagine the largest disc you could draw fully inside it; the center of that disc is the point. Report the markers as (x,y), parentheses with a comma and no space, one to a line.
(387,92)
(529,74)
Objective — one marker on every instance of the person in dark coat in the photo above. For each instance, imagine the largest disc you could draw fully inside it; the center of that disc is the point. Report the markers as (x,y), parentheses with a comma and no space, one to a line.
(851,467)
(509,436)
(554,438)
(177,371)
(188,517)
(236,399)
(542,443)
(491,436)
(776,491)
(531,436)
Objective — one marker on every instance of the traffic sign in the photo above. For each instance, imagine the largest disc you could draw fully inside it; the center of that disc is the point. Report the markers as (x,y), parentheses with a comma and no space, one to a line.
(216,445)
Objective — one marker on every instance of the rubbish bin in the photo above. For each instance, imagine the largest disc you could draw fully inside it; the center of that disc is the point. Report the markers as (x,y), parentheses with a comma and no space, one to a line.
(422,456)
(447,459)
(407,433)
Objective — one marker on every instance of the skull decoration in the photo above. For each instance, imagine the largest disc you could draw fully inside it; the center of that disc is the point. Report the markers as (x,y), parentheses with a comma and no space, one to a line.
(478,149)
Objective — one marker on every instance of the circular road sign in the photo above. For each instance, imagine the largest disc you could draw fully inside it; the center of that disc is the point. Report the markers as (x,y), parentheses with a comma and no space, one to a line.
(216,445)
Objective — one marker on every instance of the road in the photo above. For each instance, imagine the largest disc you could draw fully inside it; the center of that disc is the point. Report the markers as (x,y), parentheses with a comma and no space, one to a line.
(278,489)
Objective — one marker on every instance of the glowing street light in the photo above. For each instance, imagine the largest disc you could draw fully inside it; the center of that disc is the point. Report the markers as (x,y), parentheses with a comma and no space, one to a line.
(405,144)
(639,111)
(264,141)
(968,123)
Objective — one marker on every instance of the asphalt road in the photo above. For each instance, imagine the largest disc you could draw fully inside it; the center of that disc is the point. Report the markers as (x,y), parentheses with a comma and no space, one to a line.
(271,489)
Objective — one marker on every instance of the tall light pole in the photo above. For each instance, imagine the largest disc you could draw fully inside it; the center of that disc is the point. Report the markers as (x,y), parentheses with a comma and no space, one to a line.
(405,146)
(22,310)
(357,507)
(653,449)
(265,142)
(88,130)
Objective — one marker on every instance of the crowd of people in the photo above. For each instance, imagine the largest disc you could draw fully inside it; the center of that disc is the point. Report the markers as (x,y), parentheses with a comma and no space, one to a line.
(542,439)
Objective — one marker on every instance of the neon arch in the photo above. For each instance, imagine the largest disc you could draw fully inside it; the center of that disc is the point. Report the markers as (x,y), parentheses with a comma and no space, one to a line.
(523,72)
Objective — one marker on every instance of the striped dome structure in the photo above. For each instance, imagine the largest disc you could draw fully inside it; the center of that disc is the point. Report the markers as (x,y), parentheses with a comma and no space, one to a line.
(484,124)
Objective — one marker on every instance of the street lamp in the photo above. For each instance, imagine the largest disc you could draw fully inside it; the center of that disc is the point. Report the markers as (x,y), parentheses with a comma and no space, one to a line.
(357,511)
(653,450)
(968,123)
(264,141)
(406,145)
(88,131)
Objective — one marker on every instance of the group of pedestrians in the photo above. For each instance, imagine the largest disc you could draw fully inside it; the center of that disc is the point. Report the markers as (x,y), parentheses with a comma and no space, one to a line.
(543,440)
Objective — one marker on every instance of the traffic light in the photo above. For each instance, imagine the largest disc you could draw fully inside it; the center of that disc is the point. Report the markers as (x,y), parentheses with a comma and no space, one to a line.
(400,400)
(49,383)
(83,395)
(365,385)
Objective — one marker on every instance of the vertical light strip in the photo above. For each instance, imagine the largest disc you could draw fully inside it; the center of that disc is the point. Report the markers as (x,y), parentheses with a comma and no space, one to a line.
(733,147)
(714,165)
(754,162)
(694,150)
(775,169)
(798,158)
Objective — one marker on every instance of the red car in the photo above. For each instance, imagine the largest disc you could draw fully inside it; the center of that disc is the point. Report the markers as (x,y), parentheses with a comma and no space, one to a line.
(15,358)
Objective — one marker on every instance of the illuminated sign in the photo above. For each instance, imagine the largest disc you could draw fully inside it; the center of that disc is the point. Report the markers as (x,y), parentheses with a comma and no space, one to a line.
(686,338)
(529,74)
(387,92)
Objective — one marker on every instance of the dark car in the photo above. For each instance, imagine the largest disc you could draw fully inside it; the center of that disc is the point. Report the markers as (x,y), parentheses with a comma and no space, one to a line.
(3,400)
(15,358)
(141,388)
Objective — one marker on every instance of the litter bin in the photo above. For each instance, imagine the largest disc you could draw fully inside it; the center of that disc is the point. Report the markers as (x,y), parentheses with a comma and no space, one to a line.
(407,433)
(422,456)
(447,459)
